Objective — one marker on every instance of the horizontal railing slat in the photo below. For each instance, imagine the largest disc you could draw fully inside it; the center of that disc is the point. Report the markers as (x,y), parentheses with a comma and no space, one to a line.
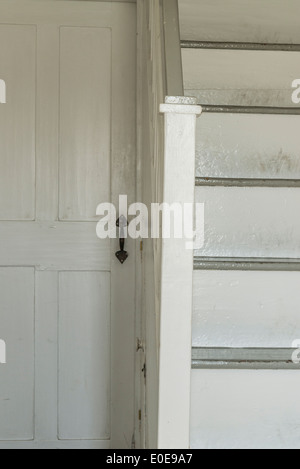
(246,264)
(246,182)
(243,358)
(251,46)
(266,110)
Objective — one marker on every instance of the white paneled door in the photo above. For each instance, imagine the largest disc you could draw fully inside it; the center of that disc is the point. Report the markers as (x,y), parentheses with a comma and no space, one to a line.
(66,303)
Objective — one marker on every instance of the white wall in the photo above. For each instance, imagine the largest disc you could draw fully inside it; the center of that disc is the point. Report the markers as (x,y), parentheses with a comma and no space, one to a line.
(240,20)
(245,409)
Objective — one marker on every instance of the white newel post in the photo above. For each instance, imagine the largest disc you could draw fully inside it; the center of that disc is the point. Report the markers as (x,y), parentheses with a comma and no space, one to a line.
(176,279)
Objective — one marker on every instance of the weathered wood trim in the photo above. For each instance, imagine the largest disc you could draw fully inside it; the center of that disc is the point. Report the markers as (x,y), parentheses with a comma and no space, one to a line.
(160,75)
(173,60)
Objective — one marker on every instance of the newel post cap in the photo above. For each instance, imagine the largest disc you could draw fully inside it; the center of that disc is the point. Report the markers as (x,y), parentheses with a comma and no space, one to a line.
(180,105)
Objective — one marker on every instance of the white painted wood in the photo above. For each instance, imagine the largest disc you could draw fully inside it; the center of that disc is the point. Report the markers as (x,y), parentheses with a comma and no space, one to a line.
(140,359)
(119,1)
(146,384)
(85,62)
(240,20)
(84,356)
(72,248)
(47,122)
(17,123)
(55,444)
(172,55)
(17,375)
(46,356)
(176,282)
(41,12)
(250,222)
(245,309)
(245,409)
(123,181)
(54,246)
(243,97)
(165,425)
(226,147)
(230,77)
(238,70)
(179,109)
(151,93)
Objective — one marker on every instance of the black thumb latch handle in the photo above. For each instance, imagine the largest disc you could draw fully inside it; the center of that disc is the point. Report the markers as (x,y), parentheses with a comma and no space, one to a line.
(122,255)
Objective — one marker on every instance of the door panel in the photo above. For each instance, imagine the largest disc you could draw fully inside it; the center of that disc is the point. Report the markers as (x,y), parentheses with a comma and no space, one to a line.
(17,122)
(85,57)
(84,355)
(67,306)
(17,376)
